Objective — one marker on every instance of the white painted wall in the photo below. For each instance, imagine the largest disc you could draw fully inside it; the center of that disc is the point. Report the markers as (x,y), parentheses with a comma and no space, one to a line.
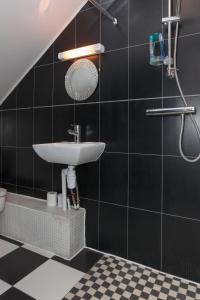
(27,29)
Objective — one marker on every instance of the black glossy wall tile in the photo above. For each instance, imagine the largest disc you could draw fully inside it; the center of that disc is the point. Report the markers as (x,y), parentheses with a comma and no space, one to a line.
(144,237)
(9,165)
(190,22)
(113,229)
(88,27)
(24,163)
(88,117)
(63,117)
(43,125)
(145,133)
(95,96)
(25,128)
(47,57)
(57,168)
(12,188)
(41,194)
(181,246)
(65,41)
(114,178)
(145,181)
(43,175)
(114,75)
(25,91)
(115,132)
(115,36)
(9,128)
(181,187)
(145,19)
(11,100)
(91,222)
(88,5)
(88,180)
(43,85)
(26,191)
(172,128)
(145,80)
(188,65)
(60,95)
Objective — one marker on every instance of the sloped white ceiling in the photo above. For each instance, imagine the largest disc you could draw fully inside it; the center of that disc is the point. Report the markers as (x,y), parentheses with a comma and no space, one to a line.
(27,29)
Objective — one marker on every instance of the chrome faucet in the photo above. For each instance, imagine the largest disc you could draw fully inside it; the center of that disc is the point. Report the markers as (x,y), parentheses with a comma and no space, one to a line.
(76,132)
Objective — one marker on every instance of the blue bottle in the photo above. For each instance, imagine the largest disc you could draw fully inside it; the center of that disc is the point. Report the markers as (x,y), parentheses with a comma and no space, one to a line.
(156,49)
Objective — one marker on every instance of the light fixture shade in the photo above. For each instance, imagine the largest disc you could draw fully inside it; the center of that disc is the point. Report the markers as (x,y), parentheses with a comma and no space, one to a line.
(81,52)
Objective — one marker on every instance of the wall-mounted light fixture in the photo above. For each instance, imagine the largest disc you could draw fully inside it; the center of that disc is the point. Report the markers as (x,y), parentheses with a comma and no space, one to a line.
(81,52)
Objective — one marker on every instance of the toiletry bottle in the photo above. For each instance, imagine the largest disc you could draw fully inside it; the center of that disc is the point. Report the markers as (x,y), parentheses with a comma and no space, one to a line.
(151,49)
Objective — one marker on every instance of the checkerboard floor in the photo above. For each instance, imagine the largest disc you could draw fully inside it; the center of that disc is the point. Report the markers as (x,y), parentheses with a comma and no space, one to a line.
(27,272)
(113,279)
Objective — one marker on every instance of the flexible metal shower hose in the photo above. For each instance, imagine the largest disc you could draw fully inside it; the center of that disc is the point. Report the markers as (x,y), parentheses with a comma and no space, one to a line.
(178,8)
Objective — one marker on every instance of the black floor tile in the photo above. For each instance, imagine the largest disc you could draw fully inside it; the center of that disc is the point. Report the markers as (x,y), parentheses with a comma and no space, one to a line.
(83,261)
(15,294)
(5,238)
(19,263)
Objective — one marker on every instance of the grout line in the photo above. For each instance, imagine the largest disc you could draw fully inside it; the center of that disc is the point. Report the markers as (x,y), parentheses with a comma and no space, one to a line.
(33,159)
(128,137)
(145,210)
(122,48)
(52,120)
(162,170)
(123,206)
(175,97)
(115,153)
(99,167)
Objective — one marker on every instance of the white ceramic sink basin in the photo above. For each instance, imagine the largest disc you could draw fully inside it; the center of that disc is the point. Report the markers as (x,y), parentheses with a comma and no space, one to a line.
(70,153)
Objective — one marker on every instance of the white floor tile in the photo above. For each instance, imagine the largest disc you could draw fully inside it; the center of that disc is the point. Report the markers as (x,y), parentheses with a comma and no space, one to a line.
(51,281)
(6,247)
(45,253)
(4,287)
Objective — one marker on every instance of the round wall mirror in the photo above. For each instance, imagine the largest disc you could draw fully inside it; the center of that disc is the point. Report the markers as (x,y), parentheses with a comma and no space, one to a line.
(81,79)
